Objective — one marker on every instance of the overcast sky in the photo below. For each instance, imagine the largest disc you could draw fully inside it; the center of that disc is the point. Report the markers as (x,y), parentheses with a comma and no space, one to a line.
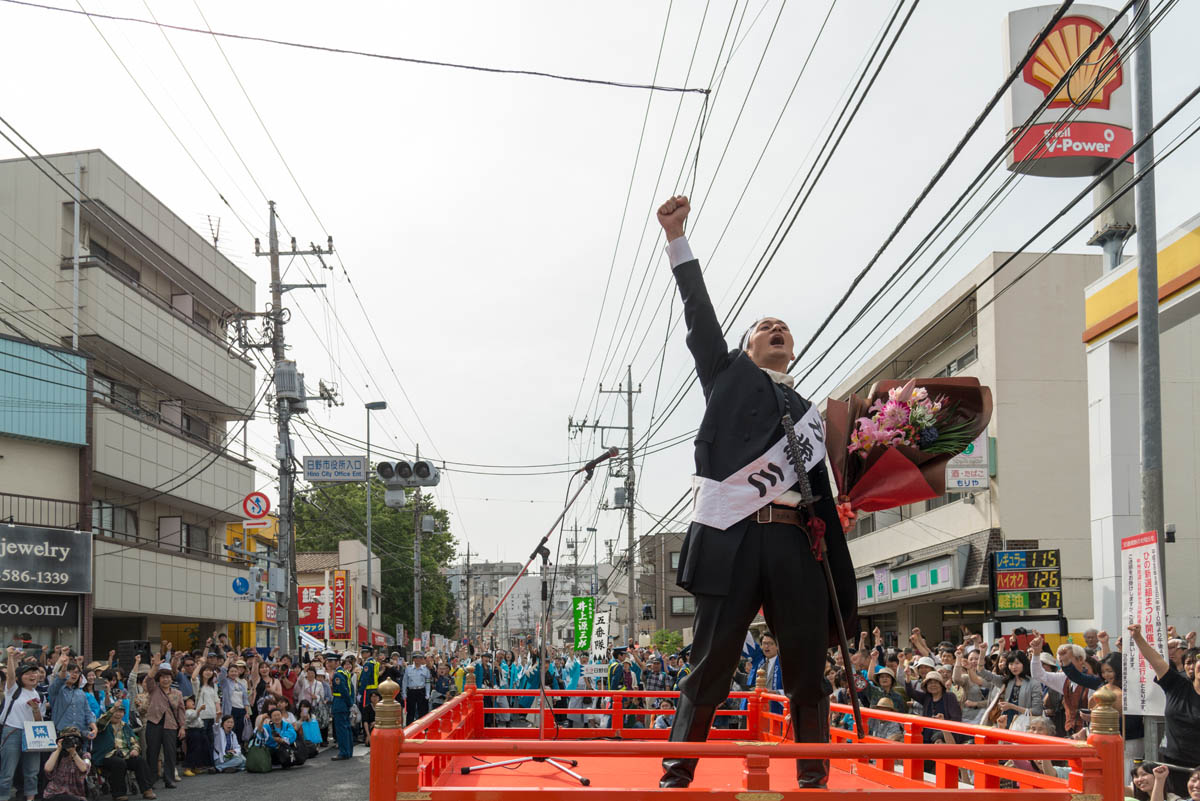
(478,215)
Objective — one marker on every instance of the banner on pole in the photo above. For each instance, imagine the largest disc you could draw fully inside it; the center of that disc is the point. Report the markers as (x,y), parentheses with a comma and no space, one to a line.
(340,625)
(598,663)
(584,608)
(1141,578)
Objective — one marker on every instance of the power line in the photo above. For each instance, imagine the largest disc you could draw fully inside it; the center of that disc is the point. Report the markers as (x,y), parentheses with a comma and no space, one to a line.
(1047,29)
(973,188)
(801,198)
(141,89)
(366,54)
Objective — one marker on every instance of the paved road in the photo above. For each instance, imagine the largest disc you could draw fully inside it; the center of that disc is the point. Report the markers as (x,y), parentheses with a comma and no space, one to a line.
(320,777)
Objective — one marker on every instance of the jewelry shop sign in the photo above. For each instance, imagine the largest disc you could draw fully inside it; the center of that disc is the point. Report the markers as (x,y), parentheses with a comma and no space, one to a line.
(35,559)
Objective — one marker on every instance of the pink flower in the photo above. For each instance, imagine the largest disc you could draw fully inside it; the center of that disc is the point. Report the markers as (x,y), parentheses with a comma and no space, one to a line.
(895,415)
(865,435)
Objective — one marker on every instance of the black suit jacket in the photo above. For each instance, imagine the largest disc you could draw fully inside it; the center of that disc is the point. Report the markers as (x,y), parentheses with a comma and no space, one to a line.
(741,421)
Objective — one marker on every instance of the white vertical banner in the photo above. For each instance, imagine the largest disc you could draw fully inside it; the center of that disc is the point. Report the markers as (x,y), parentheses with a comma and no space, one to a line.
(598,661)
(1141,579)
(883,583)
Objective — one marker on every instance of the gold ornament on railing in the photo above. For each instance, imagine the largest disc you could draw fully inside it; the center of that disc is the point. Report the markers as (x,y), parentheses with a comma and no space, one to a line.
(387,711)
(760,680)
(468,680)
(1106,718)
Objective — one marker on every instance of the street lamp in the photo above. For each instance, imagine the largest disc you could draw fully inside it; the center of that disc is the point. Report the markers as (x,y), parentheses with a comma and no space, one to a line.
(373,406)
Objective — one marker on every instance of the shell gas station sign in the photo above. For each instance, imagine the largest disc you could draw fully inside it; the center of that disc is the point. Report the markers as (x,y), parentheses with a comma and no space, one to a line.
(1096,98)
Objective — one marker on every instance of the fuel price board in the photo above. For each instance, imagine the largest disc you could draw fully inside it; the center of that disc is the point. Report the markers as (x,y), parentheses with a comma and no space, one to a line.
(1027,581)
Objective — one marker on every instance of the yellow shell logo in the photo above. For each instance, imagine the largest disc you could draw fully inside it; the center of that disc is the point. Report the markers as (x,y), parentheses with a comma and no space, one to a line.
(1095,79)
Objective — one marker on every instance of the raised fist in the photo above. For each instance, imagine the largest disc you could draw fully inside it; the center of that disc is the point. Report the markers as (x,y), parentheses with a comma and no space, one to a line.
(672,214)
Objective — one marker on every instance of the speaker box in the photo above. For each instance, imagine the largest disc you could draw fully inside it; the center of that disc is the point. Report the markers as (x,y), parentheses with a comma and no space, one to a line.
(128,649)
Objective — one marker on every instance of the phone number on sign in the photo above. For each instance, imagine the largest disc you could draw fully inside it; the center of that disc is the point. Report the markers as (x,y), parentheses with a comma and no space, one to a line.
(34,577)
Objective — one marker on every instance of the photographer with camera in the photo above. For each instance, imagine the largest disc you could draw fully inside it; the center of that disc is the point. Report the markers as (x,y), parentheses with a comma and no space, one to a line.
(117,751)
(66,768)
(279,737)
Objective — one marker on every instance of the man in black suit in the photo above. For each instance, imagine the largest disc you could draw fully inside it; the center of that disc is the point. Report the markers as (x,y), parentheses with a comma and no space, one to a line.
(748,543)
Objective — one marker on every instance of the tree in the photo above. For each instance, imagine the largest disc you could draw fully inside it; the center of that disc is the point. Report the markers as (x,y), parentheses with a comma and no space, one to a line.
(330,514)
(667,641)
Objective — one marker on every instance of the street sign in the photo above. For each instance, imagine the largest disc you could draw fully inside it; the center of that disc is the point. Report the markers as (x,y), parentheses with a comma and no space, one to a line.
(241,585)
(255,524)
(335,468)
(256,505)
(968,471)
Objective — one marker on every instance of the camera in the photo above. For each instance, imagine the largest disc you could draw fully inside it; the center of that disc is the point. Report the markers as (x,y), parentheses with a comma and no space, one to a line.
(69,742)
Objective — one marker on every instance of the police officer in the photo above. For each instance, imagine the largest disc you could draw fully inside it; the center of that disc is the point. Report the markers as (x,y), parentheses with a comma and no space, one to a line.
(342,699)
(368,679)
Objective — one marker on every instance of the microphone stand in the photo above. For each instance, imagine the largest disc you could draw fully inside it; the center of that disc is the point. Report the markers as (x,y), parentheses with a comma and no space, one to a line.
(543,552)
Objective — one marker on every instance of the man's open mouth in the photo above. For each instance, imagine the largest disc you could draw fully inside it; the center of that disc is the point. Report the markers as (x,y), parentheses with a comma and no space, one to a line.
(777,339)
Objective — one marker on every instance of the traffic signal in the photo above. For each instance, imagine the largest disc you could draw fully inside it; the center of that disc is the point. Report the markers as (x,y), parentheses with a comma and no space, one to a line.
(401,474)
(259,580)
(426,474)
(396,476)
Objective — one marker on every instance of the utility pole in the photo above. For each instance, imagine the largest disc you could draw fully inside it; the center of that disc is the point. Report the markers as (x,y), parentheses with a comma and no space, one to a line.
(285,394)
(630,484)
(1150,382)
(467,628)
(417,559)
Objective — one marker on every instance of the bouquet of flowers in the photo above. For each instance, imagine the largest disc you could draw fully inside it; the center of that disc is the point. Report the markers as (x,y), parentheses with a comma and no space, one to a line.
(891,448)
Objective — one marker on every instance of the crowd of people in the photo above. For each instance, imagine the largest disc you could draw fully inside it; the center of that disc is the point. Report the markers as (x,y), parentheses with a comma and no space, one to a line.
(1031,689)
(219,709)
(127,729)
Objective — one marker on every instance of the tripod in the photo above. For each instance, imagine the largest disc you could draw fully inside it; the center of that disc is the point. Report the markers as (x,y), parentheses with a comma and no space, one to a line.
(543,552)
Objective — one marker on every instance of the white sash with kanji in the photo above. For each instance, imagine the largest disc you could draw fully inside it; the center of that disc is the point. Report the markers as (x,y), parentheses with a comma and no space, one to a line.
(720,504)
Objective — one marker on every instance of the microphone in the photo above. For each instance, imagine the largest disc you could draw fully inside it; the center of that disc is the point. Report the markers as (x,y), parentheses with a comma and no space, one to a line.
(590,466)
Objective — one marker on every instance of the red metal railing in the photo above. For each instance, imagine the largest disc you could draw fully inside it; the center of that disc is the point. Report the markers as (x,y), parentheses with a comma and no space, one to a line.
(414,761)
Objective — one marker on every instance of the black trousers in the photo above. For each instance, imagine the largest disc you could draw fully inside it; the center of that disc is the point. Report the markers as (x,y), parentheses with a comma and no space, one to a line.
(115,769)
(161,740)
(418,705)
(775,569)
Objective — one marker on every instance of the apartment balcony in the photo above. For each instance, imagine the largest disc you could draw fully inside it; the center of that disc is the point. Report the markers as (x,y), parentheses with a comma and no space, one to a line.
(140,454)
(123,322)
(151,581)
(30,510)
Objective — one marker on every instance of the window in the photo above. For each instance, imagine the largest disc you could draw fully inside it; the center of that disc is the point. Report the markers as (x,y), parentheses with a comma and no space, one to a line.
(864,526)
(941,500)
(194,427)
(683,605)
(114,521)
(118,265)
(170,532)
(112,391)
(959,364)
(197,539)
(674,560)
(365,604)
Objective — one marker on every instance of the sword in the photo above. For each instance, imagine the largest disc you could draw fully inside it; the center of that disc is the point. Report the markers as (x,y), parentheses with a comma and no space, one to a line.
(816,540)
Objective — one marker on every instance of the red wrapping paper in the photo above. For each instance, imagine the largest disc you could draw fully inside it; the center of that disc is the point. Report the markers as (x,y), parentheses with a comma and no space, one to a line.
(891,476)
